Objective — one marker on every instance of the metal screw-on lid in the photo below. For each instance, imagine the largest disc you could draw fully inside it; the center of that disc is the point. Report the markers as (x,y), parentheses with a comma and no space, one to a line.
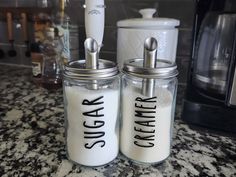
(149,67)
(91,68)
(77,70)
(164,69)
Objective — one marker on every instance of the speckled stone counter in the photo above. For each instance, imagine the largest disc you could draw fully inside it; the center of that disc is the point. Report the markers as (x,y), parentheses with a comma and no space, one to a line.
(32,139)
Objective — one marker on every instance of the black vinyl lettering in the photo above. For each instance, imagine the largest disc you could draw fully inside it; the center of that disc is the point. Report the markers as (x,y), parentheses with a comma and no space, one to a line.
(144,131)
(94,113)
(90,146)
(96,124)
(147,114)
(93,102)
(145,121)
(148,145)
(91,135)
(93,128)
(145,138)
(146,100)
(143,107)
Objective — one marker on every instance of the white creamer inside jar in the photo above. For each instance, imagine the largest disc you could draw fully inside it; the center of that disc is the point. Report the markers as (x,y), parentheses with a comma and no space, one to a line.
(148,104)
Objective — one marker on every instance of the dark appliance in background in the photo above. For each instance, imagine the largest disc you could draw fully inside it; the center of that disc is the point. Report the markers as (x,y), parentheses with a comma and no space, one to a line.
(210,99)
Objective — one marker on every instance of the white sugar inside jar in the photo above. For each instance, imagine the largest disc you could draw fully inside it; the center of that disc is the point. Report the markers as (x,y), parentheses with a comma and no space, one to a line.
(91,102)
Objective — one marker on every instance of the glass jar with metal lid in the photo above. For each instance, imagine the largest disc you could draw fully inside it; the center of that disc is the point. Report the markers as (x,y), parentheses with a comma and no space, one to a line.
(91,100)
(148,103)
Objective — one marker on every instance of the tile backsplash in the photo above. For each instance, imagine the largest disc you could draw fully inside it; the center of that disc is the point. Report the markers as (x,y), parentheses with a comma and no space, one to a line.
(115,10)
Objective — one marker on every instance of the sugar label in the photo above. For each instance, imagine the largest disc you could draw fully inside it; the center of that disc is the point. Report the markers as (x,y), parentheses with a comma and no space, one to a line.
(93,130)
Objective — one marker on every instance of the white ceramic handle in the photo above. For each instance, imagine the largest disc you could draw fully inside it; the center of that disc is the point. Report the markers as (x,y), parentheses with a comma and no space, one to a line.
(147,13)
(94,20)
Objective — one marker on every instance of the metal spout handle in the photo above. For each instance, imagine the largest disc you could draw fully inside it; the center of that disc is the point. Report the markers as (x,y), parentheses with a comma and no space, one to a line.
(91,59)
(150,55)
(91,53)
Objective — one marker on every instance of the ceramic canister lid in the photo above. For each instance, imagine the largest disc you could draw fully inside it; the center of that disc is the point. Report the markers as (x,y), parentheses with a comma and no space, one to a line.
(147,21)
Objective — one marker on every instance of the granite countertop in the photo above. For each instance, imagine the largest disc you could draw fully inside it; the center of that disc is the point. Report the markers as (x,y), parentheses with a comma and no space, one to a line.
(32,139)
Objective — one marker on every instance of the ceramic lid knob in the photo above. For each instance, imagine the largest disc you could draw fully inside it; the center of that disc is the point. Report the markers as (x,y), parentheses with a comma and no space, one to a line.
(147,13)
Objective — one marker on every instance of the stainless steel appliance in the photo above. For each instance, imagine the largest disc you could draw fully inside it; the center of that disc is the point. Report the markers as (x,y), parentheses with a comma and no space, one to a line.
(214,53)
(211,94)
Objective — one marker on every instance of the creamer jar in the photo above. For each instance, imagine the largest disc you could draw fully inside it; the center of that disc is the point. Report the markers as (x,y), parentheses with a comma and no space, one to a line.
(91,100)
(148,104)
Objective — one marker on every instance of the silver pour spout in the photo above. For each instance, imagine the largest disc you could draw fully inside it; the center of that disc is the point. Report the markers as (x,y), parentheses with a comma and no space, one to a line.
(150,55)
(91,53)
(91,57)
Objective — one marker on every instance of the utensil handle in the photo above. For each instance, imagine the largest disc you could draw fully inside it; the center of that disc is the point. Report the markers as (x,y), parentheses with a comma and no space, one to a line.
(9,26)
(150,55)
(95,20)
(24,26)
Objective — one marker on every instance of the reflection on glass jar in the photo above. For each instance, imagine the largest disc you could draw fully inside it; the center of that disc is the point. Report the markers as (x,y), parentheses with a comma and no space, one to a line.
(147,121)
(148,104)
(91,102)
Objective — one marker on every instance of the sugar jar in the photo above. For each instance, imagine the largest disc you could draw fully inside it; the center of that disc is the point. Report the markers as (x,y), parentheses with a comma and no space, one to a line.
(91,100)
(148,104)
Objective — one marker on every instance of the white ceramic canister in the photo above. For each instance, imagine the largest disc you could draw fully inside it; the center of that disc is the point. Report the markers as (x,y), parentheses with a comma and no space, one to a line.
(133,32)
(148,104)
